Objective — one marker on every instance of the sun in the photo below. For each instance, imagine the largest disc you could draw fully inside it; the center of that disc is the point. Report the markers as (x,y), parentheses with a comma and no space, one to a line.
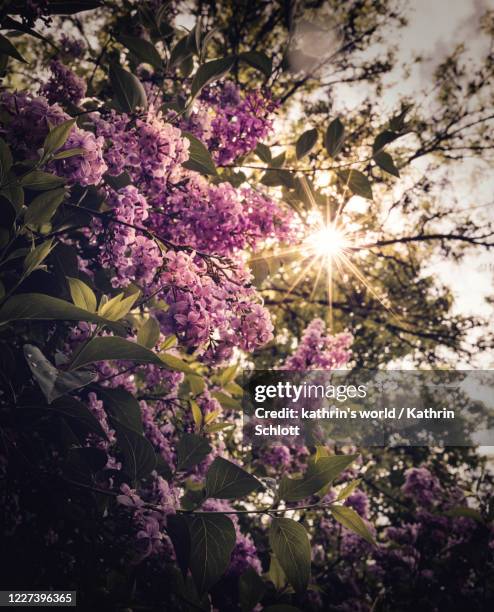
(327,241)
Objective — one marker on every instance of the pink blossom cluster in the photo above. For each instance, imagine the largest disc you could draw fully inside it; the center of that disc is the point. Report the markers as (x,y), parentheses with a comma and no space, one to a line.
(63,86)
(231,122)
(26,121)
(319,350)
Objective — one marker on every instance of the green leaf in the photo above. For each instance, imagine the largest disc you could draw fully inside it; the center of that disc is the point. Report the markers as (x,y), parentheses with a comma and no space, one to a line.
(382,139)
(41,307)
(227,401)
(139,458)
(112,347)
(290,544)
(43,207)
(466,512)
(319,474)
(306,143)
(57,136)
(348,490)
(82,295)
(215,427)
(149,333)
(196,383)
(191,450)
(118,307)
(228,375)
(276,574)
(225,480)
(264,153)
(35,258)
(121,406)
(357,182)
(143,49)
(119,181)
(69,153)
(79,414)
(196,414)
(180,52)
(272,178)
(129,92)
(212,540)
(53,382)
(8,48)
(251,589)
(5,160)
(386,163)
(200,159)
(178,531)
(259,61)
(13,192)
(41,181)
(351,520)
(335,137)
(175,363)
(210,72)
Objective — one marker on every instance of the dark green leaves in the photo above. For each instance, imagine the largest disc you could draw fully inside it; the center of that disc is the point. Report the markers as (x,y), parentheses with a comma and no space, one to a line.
(225,480)
(41,307)
(112,347)
(82,295)
(251,588)
(57,136)
(200,159)
(53,382)
(138,456)
(122,407)
(37,180)
(178,531)
(35,258)
(212,540)
(191,450)
(319,474)
(149,333)
(78,415)
(43,207)
(306,143)
(259,61)
(357,182)
(382,139)
(386,163)
(129,92)
(8,48)
(334,137)
(142,49)
(264,153)
(290,543)
(210,72)
(351,520)
(174,363)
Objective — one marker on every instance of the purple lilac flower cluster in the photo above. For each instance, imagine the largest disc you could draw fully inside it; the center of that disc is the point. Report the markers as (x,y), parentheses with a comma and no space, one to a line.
(73,47)
(231,122)
(63,86)
(26,122)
